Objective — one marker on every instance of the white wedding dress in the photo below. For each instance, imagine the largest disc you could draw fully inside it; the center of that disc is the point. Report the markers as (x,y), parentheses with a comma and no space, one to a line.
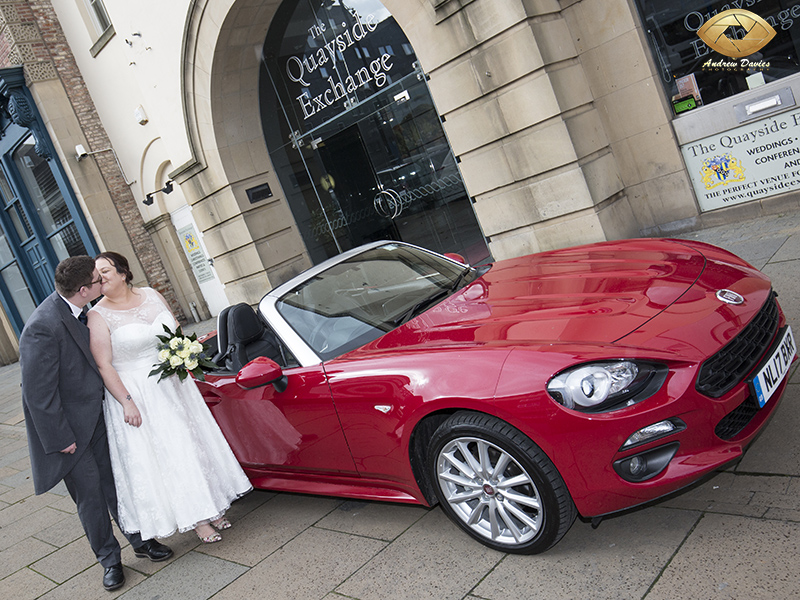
(176,470)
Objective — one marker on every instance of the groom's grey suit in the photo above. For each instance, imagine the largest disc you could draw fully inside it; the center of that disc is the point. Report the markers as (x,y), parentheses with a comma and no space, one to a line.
(62,396)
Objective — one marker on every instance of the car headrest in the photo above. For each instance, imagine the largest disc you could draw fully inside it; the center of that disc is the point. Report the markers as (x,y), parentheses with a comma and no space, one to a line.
(243,324)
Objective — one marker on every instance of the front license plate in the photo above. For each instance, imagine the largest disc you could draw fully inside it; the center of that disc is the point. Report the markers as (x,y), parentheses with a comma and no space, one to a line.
(775,368)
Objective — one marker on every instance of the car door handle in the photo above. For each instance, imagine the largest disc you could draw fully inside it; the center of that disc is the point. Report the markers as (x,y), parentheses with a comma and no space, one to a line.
(211,395)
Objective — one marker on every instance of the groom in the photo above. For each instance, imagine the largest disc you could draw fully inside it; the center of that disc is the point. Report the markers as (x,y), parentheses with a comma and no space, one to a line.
(62,396)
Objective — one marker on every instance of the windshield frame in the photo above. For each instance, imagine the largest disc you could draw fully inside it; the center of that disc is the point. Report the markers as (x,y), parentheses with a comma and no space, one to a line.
(430,278)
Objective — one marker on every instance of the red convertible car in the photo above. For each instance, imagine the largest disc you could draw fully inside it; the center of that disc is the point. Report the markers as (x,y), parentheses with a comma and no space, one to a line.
(516,395)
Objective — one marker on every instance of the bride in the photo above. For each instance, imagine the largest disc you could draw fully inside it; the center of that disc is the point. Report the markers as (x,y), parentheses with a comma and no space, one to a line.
(173,469)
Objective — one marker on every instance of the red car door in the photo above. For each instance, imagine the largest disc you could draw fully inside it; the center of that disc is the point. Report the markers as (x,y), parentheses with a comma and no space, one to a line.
(297,429)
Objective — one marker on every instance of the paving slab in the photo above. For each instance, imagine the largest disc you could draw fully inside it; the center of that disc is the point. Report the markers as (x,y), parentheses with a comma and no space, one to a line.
(66,562)
(65,504)
(25,507)
(373,519)
(619,559)
(269,527)
(777,449)
(787,284)
(64,532)
(21,555)
(432,560)
(88,586)
(789,250)
(29,526)
(25,585)
(307,567)
(12,495)
(14,477)
(12,454)
(194,576)
(734,557)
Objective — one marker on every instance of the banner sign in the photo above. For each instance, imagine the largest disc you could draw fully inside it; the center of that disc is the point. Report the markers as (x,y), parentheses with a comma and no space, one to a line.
(757,160)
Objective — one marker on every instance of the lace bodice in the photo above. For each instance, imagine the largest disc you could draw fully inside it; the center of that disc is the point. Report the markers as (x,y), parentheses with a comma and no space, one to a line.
(134,331)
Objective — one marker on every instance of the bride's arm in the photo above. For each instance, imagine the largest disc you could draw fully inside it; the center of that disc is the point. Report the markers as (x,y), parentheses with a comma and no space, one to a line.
(100,344)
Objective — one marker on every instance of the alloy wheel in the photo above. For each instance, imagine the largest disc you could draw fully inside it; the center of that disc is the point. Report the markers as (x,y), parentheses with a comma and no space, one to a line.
(489,490)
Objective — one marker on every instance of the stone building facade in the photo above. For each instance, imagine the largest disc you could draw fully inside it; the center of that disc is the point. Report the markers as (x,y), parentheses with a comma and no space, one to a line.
(555,124)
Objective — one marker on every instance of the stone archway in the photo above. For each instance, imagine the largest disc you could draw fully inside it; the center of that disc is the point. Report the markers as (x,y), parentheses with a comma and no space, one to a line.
(507,77)
(254,245)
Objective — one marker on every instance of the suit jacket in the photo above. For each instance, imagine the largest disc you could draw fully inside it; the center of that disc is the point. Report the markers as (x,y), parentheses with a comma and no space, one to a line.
(62,391)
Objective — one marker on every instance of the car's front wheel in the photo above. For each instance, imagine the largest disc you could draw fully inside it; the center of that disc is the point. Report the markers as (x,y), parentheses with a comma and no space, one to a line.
(497,485)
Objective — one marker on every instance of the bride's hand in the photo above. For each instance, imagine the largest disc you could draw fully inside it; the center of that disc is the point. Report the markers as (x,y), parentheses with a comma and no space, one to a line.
(132,415)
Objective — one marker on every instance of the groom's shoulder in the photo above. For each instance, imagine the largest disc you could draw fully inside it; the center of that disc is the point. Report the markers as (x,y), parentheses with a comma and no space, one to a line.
(45,315)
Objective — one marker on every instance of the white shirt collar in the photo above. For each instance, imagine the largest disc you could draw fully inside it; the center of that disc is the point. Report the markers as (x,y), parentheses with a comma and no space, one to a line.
(76,310)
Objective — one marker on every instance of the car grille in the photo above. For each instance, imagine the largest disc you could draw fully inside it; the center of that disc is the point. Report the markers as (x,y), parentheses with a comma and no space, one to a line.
(720,373)
(736,420)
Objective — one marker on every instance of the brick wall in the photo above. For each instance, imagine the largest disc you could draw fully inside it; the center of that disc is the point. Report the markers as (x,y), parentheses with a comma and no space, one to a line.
(36,22)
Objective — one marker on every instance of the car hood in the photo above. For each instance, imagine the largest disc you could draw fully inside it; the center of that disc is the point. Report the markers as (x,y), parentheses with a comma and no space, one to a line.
(589,294)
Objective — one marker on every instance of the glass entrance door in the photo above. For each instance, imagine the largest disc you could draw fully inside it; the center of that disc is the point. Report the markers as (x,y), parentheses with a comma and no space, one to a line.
(360,150)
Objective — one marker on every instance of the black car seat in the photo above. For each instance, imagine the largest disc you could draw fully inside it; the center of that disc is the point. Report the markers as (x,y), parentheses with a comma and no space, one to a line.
(247,338)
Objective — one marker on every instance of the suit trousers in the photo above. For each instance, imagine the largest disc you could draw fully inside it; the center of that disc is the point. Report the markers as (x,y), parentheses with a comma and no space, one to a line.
(91,485)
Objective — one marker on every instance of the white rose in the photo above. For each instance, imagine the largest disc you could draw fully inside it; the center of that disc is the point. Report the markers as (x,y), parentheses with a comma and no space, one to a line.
(174,343)
(175,361)
(191,365)
(163,355)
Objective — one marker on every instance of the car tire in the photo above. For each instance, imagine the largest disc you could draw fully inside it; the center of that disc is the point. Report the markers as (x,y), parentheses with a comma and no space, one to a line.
(497,485)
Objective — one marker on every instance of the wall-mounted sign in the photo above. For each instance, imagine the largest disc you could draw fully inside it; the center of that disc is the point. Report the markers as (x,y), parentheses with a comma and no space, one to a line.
(754,161)
(194,252)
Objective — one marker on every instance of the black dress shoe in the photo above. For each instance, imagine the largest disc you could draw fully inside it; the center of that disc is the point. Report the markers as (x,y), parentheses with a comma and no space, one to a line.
(113,577)
(153,550)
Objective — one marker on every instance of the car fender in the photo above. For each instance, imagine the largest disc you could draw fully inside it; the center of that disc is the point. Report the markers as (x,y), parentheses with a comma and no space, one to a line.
(381,399)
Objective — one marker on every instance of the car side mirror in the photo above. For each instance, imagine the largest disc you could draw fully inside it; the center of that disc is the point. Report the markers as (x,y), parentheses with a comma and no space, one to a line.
(456,257)
(262,371)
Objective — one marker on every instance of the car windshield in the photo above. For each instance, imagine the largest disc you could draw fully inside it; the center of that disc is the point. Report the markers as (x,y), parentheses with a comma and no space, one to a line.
(359,299)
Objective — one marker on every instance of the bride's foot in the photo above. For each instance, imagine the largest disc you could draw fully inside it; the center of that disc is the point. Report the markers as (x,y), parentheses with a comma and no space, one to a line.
(221,523)
(207,534)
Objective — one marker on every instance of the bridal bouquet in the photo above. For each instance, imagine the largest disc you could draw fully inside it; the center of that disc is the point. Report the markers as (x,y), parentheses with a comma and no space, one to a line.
(179,354)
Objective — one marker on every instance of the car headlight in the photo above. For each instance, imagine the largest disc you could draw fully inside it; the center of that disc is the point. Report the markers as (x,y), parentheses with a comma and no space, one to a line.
(607,385)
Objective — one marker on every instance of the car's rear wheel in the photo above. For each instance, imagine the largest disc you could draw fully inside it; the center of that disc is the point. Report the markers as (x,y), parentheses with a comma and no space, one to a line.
(497,485)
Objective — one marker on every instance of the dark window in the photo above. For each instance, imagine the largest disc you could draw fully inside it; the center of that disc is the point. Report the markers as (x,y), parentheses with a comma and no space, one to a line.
(682,58)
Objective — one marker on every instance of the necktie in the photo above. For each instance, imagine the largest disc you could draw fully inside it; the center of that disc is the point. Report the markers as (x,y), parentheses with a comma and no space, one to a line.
(82,317)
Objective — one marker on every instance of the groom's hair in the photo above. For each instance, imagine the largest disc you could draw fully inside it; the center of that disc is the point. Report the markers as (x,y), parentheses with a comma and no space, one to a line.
(73,273)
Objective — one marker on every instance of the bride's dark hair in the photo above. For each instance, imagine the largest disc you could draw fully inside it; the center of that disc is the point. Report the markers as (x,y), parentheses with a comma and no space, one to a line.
(120,264)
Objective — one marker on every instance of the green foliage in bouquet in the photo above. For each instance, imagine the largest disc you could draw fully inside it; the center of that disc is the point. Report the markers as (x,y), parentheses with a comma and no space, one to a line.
(179,355)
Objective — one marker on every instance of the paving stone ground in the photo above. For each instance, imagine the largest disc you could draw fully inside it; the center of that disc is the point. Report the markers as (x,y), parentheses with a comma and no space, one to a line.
(737,535)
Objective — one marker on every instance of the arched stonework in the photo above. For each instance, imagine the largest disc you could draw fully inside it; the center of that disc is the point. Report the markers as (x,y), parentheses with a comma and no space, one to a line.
(254,245)
(539,153)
